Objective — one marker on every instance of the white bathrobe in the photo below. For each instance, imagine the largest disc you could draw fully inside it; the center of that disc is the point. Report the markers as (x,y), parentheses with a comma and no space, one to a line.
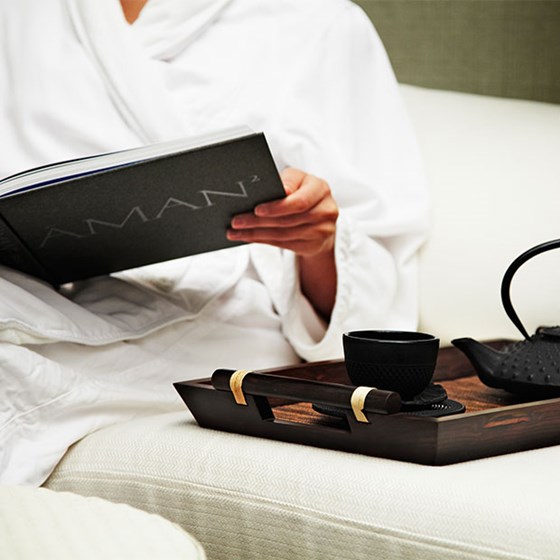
(76,79)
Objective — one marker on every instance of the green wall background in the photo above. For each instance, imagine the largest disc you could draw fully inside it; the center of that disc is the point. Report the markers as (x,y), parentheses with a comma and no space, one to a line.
(507,48)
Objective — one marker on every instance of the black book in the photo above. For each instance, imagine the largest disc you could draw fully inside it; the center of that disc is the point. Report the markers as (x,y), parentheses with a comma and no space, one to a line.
(92,216)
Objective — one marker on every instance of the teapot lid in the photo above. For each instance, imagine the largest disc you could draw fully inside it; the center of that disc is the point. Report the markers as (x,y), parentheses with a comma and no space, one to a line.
(512,269)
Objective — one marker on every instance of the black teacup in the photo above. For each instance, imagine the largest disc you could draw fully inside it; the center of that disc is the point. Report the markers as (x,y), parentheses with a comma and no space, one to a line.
(401,361)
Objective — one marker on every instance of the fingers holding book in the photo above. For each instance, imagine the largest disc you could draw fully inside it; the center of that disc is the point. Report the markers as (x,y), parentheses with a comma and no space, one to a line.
(303,222)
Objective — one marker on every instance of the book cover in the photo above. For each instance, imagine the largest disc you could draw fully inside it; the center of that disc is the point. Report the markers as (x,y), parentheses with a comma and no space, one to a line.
(119,216)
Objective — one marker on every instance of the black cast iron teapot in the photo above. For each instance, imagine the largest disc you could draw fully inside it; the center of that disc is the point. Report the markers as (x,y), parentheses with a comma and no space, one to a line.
(529,367)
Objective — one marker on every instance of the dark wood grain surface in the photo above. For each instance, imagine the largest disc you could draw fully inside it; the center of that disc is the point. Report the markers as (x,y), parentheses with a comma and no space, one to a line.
(495,421)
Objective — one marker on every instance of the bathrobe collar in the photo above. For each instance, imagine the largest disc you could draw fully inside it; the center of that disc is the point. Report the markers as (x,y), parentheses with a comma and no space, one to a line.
(131,57)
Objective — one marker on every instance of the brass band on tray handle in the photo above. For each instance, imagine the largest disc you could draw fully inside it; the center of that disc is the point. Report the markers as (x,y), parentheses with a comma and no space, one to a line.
(236,385)
(358,399)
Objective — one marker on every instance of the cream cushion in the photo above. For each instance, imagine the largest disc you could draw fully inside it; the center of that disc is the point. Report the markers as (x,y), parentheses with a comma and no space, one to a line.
(47,525)
(248,498)
(493,168)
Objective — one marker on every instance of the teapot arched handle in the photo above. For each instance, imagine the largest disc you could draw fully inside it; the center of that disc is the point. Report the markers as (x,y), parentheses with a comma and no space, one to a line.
(512,269)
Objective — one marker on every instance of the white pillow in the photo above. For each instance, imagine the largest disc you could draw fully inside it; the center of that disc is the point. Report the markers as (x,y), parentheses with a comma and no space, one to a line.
(493,166)
(36,523)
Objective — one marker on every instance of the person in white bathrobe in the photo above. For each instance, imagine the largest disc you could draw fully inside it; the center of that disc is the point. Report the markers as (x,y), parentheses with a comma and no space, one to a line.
(80,77)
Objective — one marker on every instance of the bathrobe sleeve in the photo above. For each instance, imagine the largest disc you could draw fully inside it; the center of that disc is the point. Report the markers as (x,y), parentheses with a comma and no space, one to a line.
(343,120)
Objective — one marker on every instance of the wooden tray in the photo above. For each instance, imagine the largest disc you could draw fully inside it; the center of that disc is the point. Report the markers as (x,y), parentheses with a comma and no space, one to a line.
(495,422)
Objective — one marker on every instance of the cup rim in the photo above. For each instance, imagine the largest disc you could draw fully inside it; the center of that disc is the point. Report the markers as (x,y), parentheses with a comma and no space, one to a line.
(376,335)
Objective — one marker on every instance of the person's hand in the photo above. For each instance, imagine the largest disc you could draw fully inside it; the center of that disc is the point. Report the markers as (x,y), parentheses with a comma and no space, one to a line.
(303,222)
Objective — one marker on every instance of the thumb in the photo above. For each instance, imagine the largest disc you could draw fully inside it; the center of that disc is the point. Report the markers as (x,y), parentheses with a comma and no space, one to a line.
(292,179)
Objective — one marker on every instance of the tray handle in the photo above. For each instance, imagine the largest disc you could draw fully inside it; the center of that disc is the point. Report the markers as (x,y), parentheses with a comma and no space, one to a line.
(373,400)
